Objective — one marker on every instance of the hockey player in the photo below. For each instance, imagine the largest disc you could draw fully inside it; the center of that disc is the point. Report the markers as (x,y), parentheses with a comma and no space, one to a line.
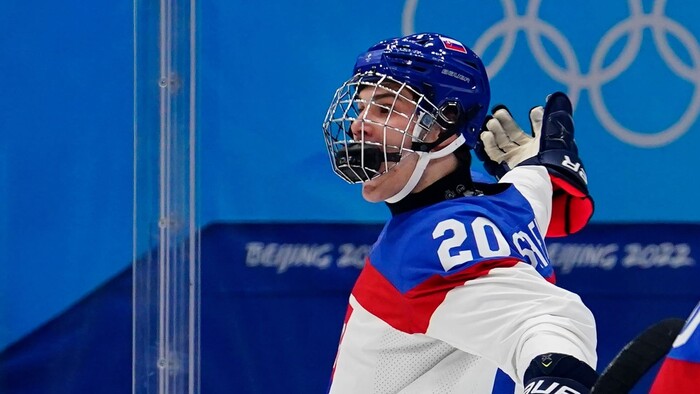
(456,285)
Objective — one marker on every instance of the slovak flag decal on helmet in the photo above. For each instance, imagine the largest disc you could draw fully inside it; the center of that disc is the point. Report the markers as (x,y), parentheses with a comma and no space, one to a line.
(453,45)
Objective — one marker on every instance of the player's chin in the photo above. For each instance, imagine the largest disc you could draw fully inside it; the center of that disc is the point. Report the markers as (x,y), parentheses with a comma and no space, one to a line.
(389,183)
(382,187)
(372,191)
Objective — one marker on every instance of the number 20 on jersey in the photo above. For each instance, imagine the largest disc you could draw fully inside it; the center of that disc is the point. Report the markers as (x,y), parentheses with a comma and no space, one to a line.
(453,251)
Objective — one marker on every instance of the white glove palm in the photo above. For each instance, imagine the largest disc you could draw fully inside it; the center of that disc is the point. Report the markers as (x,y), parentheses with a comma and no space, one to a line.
(505,142)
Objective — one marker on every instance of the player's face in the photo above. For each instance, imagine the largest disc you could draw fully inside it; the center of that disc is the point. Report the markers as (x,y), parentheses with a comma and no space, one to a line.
(386,118)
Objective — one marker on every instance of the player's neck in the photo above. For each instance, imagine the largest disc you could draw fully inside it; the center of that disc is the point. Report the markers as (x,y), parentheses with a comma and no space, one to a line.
(436,170)
(442,181)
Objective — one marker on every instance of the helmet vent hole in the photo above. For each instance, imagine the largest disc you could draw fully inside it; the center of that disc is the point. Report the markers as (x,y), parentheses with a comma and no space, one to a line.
(469,64)
(422,42)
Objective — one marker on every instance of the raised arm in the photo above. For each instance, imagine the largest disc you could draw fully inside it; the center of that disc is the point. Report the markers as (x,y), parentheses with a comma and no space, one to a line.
(504,147)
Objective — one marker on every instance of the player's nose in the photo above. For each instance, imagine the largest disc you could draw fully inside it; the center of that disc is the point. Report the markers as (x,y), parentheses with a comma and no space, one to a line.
(361,125)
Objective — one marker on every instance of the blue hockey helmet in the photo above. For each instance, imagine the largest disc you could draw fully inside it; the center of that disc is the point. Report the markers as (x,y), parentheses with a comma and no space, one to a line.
(441,68)
(446,83)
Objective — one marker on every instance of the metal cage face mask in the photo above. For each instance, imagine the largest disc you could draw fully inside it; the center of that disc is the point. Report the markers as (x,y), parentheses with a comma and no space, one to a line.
(374,121)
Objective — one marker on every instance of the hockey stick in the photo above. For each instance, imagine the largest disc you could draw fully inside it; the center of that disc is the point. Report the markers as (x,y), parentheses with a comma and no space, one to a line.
(637,357)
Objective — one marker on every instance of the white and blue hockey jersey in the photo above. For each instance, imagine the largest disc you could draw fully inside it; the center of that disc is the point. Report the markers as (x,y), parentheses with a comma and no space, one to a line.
(454,291)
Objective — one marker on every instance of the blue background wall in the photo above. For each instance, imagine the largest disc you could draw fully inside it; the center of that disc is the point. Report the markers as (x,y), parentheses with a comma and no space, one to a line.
(266,75)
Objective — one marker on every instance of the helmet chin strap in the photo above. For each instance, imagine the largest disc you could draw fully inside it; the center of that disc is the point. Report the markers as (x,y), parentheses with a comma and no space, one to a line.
(421,165)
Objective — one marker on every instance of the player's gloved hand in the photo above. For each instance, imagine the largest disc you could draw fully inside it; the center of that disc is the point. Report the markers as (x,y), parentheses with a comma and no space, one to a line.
(504,145)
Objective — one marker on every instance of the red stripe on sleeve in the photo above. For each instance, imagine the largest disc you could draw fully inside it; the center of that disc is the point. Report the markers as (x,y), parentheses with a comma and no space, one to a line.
(411,312)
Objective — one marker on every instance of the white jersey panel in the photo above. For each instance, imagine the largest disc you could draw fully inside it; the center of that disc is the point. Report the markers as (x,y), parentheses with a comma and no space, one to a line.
(534,183)
(511,315)
(375,358)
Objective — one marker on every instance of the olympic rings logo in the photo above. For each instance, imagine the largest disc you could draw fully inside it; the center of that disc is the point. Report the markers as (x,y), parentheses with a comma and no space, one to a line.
(598,75)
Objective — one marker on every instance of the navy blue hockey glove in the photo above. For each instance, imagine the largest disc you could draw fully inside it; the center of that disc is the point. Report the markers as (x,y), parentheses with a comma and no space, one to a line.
(504,145)
(559,373)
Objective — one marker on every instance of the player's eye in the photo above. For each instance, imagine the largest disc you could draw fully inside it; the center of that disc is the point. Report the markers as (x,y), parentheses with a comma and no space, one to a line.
(382,109)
